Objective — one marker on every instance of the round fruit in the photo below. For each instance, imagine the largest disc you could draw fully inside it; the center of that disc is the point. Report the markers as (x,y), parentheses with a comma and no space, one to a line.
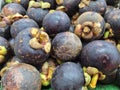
(21,77)
(37,14)
(113,19)
(90,26)
(56,22)
(70,6)
(68,76)
(21,24)
(66,46)
(102,55)
(32,46)
(98,6)
(13,8)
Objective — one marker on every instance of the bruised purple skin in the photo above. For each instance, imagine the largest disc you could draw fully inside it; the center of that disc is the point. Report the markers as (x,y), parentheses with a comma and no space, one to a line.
(13,8)
(113,19)
(21,77)
(24,51)
(95,5)
(93,17)
(102,55)
(66,46)
(56,22)
(68,76)
(21,24)
(37,14)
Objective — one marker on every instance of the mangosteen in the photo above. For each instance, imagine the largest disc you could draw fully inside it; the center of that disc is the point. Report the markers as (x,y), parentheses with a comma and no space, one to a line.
(102,55)
(98,6)
(32,46)
(90,26)
(110,78)
(108,10)
(23,3)
(21,24)
(5,30)
(70,6)
(5,51)
(56,22)
(66,46)
(21,77)
(13,8)
(113,19)
(68,76)
(37,14)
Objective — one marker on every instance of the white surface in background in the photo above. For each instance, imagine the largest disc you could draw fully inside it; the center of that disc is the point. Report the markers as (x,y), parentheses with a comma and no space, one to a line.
(1,4)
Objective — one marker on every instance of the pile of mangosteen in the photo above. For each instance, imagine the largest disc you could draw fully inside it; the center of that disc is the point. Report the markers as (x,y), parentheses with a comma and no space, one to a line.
(59,44)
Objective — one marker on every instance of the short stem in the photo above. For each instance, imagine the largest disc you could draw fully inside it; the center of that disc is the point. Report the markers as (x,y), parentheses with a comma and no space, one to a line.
(86,30)
(94,81)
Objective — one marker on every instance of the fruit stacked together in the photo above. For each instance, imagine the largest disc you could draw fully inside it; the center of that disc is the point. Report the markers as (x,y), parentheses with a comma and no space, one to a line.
(60,45)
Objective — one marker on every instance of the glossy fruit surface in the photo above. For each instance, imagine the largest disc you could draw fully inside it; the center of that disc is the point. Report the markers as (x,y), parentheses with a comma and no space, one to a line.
(21,24)
(68,76)
(37,14)
(56,22)
(102,55)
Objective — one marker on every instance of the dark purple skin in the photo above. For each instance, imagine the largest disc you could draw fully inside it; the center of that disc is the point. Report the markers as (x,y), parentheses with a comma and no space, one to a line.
(4,42)
(111,2)
(52,3)
(68,76)
(109,78)
(13,8)
(5,31)
(66,46)
(108,10)
(95,5)
(24,3)
(71,6)
(102,55)
(113,19)
(21,77)
(92,17)
(15,58)
(24,51)
(11,42)
(37,14)
(117,79)
(56,22)
(21,24)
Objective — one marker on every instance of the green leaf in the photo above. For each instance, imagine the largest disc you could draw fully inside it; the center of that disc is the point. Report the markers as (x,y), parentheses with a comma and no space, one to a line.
(8,1)
(106,87)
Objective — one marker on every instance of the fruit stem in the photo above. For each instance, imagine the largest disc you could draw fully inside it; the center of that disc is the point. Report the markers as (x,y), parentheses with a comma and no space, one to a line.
(94,80)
